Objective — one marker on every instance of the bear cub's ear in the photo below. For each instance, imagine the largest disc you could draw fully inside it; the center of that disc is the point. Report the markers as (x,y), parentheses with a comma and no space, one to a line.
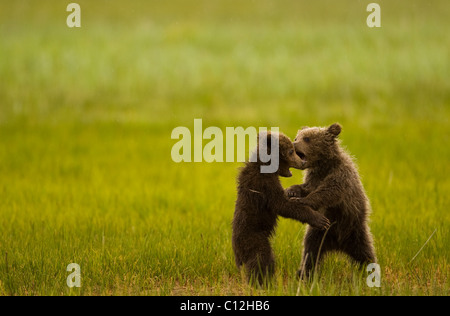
(265,139)
(334,129)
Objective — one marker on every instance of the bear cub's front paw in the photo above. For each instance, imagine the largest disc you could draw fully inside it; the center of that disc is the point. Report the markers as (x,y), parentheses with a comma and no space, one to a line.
(293,192)
(320,222)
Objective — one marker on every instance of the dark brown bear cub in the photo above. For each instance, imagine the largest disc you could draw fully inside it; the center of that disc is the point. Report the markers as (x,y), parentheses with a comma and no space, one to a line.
(332,186)
(260,200)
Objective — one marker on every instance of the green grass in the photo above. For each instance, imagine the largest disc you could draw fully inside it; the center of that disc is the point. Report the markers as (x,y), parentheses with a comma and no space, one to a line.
(86,116)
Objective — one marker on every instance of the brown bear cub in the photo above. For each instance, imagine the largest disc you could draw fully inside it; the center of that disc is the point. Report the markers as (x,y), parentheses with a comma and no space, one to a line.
(260,199)
(332,186)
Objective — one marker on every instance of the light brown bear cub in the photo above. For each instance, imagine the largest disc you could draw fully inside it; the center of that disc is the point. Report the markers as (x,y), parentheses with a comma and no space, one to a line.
(332,186)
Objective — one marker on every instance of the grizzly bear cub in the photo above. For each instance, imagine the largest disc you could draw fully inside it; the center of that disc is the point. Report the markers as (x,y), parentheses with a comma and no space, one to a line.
(260,200)
(332,186)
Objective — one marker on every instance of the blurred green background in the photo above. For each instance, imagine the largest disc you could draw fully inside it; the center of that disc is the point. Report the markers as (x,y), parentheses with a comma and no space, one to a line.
(86,116)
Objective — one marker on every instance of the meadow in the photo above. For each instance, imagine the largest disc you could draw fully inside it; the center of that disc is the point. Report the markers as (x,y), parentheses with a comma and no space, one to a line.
(86,116)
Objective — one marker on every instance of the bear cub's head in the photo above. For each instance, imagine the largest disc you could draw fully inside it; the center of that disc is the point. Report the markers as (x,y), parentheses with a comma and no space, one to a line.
(315,145)
(286,158)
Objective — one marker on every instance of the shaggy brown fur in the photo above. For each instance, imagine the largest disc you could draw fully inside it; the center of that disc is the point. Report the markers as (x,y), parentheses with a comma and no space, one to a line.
(332,186)
(260,200)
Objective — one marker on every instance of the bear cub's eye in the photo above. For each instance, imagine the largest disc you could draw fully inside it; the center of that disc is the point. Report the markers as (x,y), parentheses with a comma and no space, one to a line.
(306,139)
(291,152)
